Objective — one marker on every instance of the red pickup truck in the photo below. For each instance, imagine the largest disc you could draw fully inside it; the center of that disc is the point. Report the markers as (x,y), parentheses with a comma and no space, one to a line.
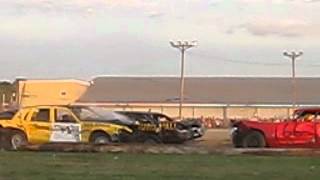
(303,130)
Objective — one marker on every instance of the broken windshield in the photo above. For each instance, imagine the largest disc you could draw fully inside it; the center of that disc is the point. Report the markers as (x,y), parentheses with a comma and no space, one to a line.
(99,114)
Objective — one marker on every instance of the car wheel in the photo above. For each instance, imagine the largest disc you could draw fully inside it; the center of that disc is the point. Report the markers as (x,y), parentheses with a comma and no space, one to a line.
(17,140)
(100,138)
(237,141)
(254,139)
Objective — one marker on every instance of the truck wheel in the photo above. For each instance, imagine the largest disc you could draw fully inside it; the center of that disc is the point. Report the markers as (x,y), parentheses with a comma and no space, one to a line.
(100,138)
(16,140)
(254,139)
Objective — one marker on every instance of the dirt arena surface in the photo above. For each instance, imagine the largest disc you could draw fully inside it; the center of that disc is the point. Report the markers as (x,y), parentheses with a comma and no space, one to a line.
(214,138)
(215,141)
(218,141)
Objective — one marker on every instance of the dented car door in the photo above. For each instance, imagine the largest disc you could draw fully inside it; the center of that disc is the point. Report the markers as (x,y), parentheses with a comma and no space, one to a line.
(65,127)
(285,132)
(304,133)
(38,125)
(296,133)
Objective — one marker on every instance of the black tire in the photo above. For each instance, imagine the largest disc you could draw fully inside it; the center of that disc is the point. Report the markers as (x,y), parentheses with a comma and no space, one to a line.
(16,140)
(237,141)
(100,138)
(254,139)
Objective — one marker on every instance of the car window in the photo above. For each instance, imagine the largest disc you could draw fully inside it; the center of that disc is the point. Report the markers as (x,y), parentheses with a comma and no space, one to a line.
(7,115)
(307,116)
(162,118)
(42,115)
(64,116)
(144,118)
(87,113)
(317,118)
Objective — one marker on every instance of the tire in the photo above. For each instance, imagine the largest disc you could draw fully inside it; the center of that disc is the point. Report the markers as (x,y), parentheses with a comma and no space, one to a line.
(100,138)
(254,139)
(237,141)
(16,140)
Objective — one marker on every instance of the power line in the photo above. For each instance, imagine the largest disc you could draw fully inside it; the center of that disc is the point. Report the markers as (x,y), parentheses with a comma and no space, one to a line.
(224,59)
(236,61)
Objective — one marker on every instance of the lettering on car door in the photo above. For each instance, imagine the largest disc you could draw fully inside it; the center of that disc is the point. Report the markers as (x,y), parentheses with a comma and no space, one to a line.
(65,127)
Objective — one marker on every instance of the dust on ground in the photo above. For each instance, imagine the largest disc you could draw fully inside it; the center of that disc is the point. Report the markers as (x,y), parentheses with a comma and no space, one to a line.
(213,138)
(215,141)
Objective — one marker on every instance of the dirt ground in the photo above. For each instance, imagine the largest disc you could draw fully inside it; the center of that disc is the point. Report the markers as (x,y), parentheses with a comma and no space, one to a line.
(215,141)
(214,138)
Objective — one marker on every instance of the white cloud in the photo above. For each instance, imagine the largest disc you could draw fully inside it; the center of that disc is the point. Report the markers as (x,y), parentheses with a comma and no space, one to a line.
(76,6)
(277,1)
(154,14)
(83,3)
(28,27)
(215,2)
(279,27)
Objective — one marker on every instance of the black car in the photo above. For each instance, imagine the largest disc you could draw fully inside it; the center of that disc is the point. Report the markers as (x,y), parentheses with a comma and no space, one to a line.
(161,128)
(147,127)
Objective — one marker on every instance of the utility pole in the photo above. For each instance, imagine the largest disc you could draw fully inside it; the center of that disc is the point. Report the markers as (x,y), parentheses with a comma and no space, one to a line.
(182,46)
(293,56)
(3,100)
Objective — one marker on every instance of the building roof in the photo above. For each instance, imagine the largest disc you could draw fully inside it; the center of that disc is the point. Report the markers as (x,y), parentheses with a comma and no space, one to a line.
(203,90)
(77,81)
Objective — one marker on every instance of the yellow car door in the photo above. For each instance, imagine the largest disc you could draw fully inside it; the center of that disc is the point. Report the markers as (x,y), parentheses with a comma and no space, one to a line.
(39,125)
(65,127)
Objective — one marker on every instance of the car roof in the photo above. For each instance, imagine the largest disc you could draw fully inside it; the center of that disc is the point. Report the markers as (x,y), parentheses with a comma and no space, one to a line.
(139,112)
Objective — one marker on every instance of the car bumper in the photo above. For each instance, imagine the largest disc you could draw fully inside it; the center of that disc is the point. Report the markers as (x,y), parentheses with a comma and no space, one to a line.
(198,132)
(184,134)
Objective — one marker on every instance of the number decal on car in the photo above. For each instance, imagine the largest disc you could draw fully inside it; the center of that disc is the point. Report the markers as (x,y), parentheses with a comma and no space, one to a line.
(65,132)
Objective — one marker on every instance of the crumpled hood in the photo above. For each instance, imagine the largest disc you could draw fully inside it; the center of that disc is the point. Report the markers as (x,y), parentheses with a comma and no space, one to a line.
(115,121)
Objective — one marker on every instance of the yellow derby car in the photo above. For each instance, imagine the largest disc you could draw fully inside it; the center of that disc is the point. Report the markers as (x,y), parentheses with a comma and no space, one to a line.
(52,124)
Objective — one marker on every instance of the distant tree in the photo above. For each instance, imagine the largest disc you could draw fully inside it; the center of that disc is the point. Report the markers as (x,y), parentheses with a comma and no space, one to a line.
(8,89)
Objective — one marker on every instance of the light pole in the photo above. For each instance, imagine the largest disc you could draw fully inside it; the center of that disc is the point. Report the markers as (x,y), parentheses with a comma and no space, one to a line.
(293,56)
(182,46)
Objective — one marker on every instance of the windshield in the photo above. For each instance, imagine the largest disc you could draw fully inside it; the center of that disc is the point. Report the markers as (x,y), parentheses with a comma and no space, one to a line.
(305,115)
(7,114)
(99,114)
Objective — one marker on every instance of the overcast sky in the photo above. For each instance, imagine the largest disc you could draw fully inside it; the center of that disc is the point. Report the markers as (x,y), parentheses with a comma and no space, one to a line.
(85,38)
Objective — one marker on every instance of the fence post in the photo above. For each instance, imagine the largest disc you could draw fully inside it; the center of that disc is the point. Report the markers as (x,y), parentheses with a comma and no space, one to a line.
(225,116)
(3,100)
